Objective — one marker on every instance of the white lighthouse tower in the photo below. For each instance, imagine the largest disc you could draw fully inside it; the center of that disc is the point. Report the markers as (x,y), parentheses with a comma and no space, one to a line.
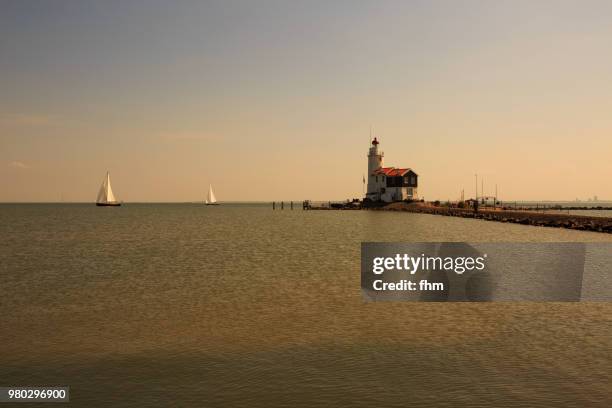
(375,162)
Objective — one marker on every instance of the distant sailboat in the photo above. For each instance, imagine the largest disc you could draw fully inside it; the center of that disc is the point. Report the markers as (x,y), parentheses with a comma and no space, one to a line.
(211,199)
(106,198)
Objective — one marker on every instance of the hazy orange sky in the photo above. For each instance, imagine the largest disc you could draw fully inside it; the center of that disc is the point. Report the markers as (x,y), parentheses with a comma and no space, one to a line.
(274,100)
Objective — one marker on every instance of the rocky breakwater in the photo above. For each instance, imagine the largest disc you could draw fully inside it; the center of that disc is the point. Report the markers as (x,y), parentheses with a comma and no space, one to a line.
(577,222)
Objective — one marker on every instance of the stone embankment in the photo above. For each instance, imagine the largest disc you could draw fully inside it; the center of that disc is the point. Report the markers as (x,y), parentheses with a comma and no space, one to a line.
(576,222)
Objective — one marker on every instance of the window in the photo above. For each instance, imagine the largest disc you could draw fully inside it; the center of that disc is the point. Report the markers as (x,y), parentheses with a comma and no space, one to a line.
(409,192)
(406,180)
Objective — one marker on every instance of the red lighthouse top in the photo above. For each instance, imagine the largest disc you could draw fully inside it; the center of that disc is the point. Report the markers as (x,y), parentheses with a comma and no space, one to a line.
(374,142)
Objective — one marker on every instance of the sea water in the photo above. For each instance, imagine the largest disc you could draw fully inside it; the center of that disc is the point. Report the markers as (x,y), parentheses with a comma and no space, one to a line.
(238,305)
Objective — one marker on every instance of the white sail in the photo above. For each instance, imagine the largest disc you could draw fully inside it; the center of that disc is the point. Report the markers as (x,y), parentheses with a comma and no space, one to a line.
(105,195)
(211,196)
(110,197)
(101,194)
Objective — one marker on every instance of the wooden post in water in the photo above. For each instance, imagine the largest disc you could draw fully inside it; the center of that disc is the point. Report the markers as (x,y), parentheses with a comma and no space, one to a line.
(292,205)
(495,205)
(282,205)
(273,205)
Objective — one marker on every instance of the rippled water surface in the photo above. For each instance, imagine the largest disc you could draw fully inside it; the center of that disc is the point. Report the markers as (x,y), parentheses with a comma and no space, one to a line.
(238,305)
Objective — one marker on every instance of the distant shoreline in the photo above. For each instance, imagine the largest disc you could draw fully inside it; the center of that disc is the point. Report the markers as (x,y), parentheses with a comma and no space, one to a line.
(527,205)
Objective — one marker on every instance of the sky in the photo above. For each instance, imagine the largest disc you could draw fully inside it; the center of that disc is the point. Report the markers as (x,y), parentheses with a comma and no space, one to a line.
(274,100)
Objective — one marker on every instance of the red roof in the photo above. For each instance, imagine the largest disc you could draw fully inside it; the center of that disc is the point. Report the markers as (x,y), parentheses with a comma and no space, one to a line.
(391,171)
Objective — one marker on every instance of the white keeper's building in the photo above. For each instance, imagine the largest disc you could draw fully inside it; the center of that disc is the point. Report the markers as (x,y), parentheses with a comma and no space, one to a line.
(389,184)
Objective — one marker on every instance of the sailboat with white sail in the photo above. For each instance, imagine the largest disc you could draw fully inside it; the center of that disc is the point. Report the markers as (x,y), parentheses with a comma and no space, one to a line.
(211,199)
(106,198)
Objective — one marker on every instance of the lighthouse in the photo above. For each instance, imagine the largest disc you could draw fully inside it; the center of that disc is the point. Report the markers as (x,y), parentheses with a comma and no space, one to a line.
(375,162)
(389,184)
